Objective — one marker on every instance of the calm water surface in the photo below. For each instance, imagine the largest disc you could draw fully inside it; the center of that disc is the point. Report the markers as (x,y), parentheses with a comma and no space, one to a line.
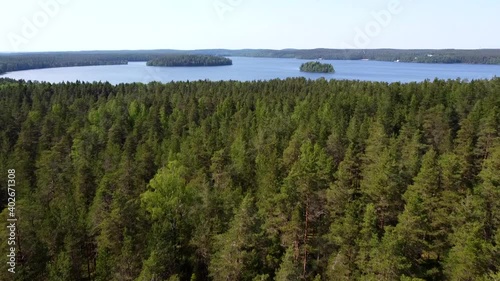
(248,69)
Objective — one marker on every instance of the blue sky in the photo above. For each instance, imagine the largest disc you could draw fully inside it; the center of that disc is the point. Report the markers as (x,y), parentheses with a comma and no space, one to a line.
(69,25)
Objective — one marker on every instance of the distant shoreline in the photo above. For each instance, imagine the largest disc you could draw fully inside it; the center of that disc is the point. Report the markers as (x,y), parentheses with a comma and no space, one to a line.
(38,60)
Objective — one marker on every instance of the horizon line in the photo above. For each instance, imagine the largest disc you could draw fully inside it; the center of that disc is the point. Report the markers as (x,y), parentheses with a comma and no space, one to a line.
(242,49)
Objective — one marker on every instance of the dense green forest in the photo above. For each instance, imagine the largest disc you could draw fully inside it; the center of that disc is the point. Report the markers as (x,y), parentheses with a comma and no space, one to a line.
(16,62)
(314,66)
(278,180)
(482,56)
(24,61)
(189,60)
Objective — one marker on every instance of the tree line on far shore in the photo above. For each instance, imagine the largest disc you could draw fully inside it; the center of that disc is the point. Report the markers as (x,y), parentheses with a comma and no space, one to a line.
(189,60)
(24,61)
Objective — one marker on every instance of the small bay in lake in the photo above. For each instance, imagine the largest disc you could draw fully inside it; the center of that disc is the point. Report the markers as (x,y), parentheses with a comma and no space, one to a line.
(248,69)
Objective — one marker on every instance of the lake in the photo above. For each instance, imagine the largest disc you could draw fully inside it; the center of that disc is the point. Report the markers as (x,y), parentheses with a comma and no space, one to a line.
(248,69)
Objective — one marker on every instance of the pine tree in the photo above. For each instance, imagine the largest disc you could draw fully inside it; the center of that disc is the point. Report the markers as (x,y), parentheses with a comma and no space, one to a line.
(236,254)
(381,183)
(344,209)
(303,189)
(471,255)
(169,202)
(289,268)
(488,192)
(368,241)
(419,226)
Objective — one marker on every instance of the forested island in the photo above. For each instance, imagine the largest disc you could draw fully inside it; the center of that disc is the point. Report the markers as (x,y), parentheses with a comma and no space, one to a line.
(24,61)
(317,67)
(278,180)
(189,60)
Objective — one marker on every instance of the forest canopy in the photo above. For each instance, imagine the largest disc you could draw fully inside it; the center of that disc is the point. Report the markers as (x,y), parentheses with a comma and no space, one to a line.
(17,62)
(278,180)
(189,60)
(317,67)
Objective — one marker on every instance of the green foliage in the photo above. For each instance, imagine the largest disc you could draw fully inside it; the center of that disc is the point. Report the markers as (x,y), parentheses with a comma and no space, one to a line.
(234,259)
(277,180)
(471,254)
(189,60)
(16,62)
(288,269)
(314,66)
